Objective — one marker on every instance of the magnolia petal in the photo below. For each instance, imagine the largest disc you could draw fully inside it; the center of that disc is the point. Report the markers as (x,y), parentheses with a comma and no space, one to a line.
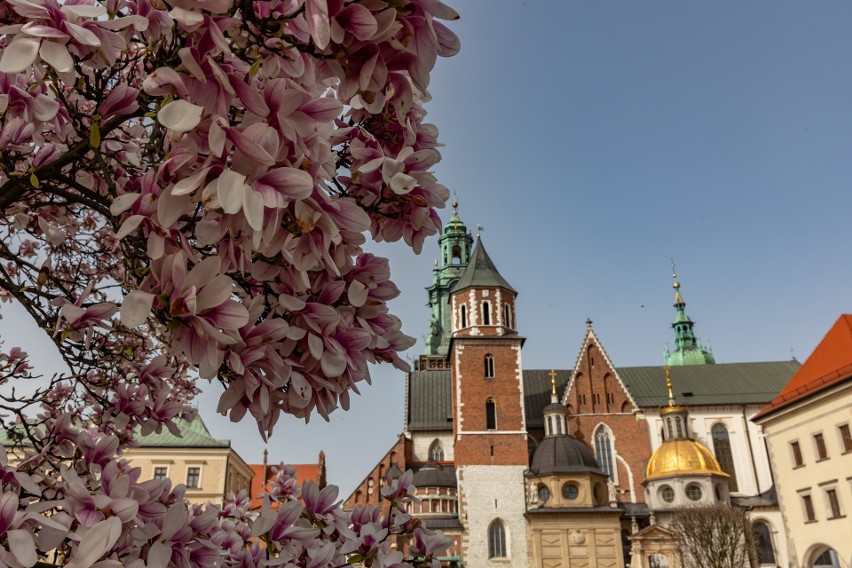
(191,64)
(129,225)
(332,364)
(214,293)
(84,10)
(316,12)
(22,546)
(19,54)
(315,346)
(230,188)
(190,184)
(357,293)
(81,34)
(136,307)
(180,115)
(253,208)
(95,543)
(4,102)
(122,203)
(40,30)
(188,18)
(402,183)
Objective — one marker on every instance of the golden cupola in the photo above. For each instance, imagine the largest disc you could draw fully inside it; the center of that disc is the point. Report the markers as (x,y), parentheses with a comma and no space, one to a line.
(679,454)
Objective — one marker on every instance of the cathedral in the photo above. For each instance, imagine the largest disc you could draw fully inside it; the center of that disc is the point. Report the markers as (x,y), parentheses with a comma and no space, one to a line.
(574,467)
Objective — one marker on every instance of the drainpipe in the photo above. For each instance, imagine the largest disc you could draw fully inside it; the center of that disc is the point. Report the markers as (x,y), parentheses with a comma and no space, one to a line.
(751,451)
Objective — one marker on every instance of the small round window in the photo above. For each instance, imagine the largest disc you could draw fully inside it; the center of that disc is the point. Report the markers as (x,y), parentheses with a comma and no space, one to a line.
(693,491)
(570,491)
(667,493)
(543,493)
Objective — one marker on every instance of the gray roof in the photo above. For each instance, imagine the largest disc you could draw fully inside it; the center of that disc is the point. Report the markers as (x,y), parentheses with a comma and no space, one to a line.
(537,393)
(430,394)
(720,384)
(562,454)
(481,271)
(430,401)
(430,398)
(432,475)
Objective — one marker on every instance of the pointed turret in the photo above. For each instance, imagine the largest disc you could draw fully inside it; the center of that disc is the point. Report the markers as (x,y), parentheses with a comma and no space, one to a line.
(481,272)
(688,349)
(455,243)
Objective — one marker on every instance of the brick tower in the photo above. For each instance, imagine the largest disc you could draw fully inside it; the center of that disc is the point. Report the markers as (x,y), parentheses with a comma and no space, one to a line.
(489,430)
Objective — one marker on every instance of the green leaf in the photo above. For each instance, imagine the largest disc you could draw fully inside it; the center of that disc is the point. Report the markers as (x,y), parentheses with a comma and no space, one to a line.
(355,559)
(34,180)
(95,135)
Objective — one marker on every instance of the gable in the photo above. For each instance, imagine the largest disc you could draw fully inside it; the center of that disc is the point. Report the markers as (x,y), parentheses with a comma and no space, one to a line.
(595,385)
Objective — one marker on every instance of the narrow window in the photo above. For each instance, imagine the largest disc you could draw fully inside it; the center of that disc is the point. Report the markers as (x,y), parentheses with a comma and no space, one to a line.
(669,427)
(559,425)
(808,503)
(679,425)
(822,453)
(722,447)
(833,503)
(507,316)
(490,415)
(797,454)
(765,551)
(486,313)
(489,366)
(603,449)
(193,477)
(436,451)
(464,316)
(845,438)
(496,540)
(161,472)
(550,425)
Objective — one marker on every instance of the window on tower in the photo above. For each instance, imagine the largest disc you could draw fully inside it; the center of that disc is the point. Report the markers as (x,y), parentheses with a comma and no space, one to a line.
(486,313)
(496,540)
(457,254)
(463,313)
(489,366)
(490,415)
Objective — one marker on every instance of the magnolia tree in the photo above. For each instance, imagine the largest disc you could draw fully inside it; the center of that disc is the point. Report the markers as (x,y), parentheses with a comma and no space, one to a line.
(185,189)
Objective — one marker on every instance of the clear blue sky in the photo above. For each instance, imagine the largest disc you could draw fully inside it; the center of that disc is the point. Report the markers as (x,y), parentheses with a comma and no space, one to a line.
(594,141)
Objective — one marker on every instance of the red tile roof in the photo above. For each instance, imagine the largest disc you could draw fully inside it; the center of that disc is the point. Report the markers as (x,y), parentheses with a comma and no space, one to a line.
(829,364)
(304,472)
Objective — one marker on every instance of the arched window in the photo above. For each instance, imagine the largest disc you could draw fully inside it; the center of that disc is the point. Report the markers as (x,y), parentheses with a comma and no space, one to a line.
(496,540)
(490,415)
(763,540)
(507,316)
(559,425)
(550,425)
(827,559)
(486,313)
(669,428)
(722,449)
(489,366)
(436,451)
(463,312)
(603,451)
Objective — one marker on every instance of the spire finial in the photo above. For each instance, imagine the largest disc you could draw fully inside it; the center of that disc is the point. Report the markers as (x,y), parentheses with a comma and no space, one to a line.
(589,324)
(479,229)
(553,397)
(669,386)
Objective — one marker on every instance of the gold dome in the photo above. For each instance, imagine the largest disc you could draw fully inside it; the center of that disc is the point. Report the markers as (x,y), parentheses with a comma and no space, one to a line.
(682,457)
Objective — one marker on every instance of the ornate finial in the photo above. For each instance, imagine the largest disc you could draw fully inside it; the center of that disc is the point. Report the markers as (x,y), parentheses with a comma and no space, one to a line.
(552,382)
(589,323)
(436,262)
(676,284)
(669,386)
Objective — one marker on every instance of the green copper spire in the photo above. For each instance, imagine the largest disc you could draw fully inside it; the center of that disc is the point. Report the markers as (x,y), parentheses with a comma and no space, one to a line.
(456,244)
(688,349)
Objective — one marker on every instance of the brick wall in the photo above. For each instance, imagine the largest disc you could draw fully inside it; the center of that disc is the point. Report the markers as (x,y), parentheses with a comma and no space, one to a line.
(369,490)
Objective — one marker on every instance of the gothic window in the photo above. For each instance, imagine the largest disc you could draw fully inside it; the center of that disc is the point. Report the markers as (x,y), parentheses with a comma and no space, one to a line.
(603,451)
(490,415)
(496,540)
(827,559)
(463,316)
(486,313)
(436,451)
(722,448)
(489,366)
(765,552)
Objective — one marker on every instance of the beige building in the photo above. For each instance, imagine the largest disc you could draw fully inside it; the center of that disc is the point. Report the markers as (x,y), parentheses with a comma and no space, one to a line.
(807,431)
(209,468)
